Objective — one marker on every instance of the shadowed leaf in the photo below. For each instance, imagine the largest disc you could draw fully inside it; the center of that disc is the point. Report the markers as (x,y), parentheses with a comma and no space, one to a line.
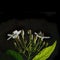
(14,54)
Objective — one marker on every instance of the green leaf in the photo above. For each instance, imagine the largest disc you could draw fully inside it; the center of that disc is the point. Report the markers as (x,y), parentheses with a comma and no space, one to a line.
(14,54)
(45,53)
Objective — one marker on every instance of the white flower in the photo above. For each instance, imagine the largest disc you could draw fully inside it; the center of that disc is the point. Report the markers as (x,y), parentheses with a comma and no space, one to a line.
(41,35)
(14,35)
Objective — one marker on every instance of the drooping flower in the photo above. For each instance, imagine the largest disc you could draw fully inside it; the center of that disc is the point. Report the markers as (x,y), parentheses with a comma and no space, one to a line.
(14,35)
(41,35)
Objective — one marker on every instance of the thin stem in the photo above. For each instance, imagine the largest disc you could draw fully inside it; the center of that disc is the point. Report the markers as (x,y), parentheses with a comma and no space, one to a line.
(18,48)
(20,43)
(36,46)
(17,43)
(29,56)
(24,53)
(23,43)
(41,46)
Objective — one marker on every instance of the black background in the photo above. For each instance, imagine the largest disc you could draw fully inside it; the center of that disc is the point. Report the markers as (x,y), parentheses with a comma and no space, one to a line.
(22,13)
(48,14)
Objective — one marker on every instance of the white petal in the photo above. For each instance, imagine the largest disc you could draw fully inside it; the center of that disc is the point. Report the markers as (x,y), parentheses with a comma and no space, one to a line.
(35,33)
(15,32)
(19,32)
(15,36)
(46,37)
(9,38)
(10,35)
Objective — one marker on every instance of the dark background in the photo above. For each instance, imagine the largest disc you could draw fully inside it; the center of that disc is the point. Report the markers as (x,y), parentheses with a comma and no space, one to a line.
(22,13)
(13,16)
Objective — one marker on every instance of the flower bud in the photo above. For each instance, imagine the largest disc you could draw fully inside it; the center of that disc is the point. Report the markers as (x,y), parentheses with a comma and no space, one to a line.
(29,32)
(46,44)
(15,44)
(22,33)
(31,36)
(35,39)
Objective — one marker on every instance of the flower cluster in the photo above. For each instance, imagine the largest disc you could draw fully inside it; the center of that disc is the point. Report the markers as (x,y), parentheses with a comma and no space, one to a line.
(33,44)
(16,34)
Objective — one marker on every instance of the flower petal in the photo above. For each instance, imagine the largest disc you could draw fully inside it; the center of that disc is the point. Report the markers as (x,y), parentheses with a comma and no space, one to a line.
(9,38)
